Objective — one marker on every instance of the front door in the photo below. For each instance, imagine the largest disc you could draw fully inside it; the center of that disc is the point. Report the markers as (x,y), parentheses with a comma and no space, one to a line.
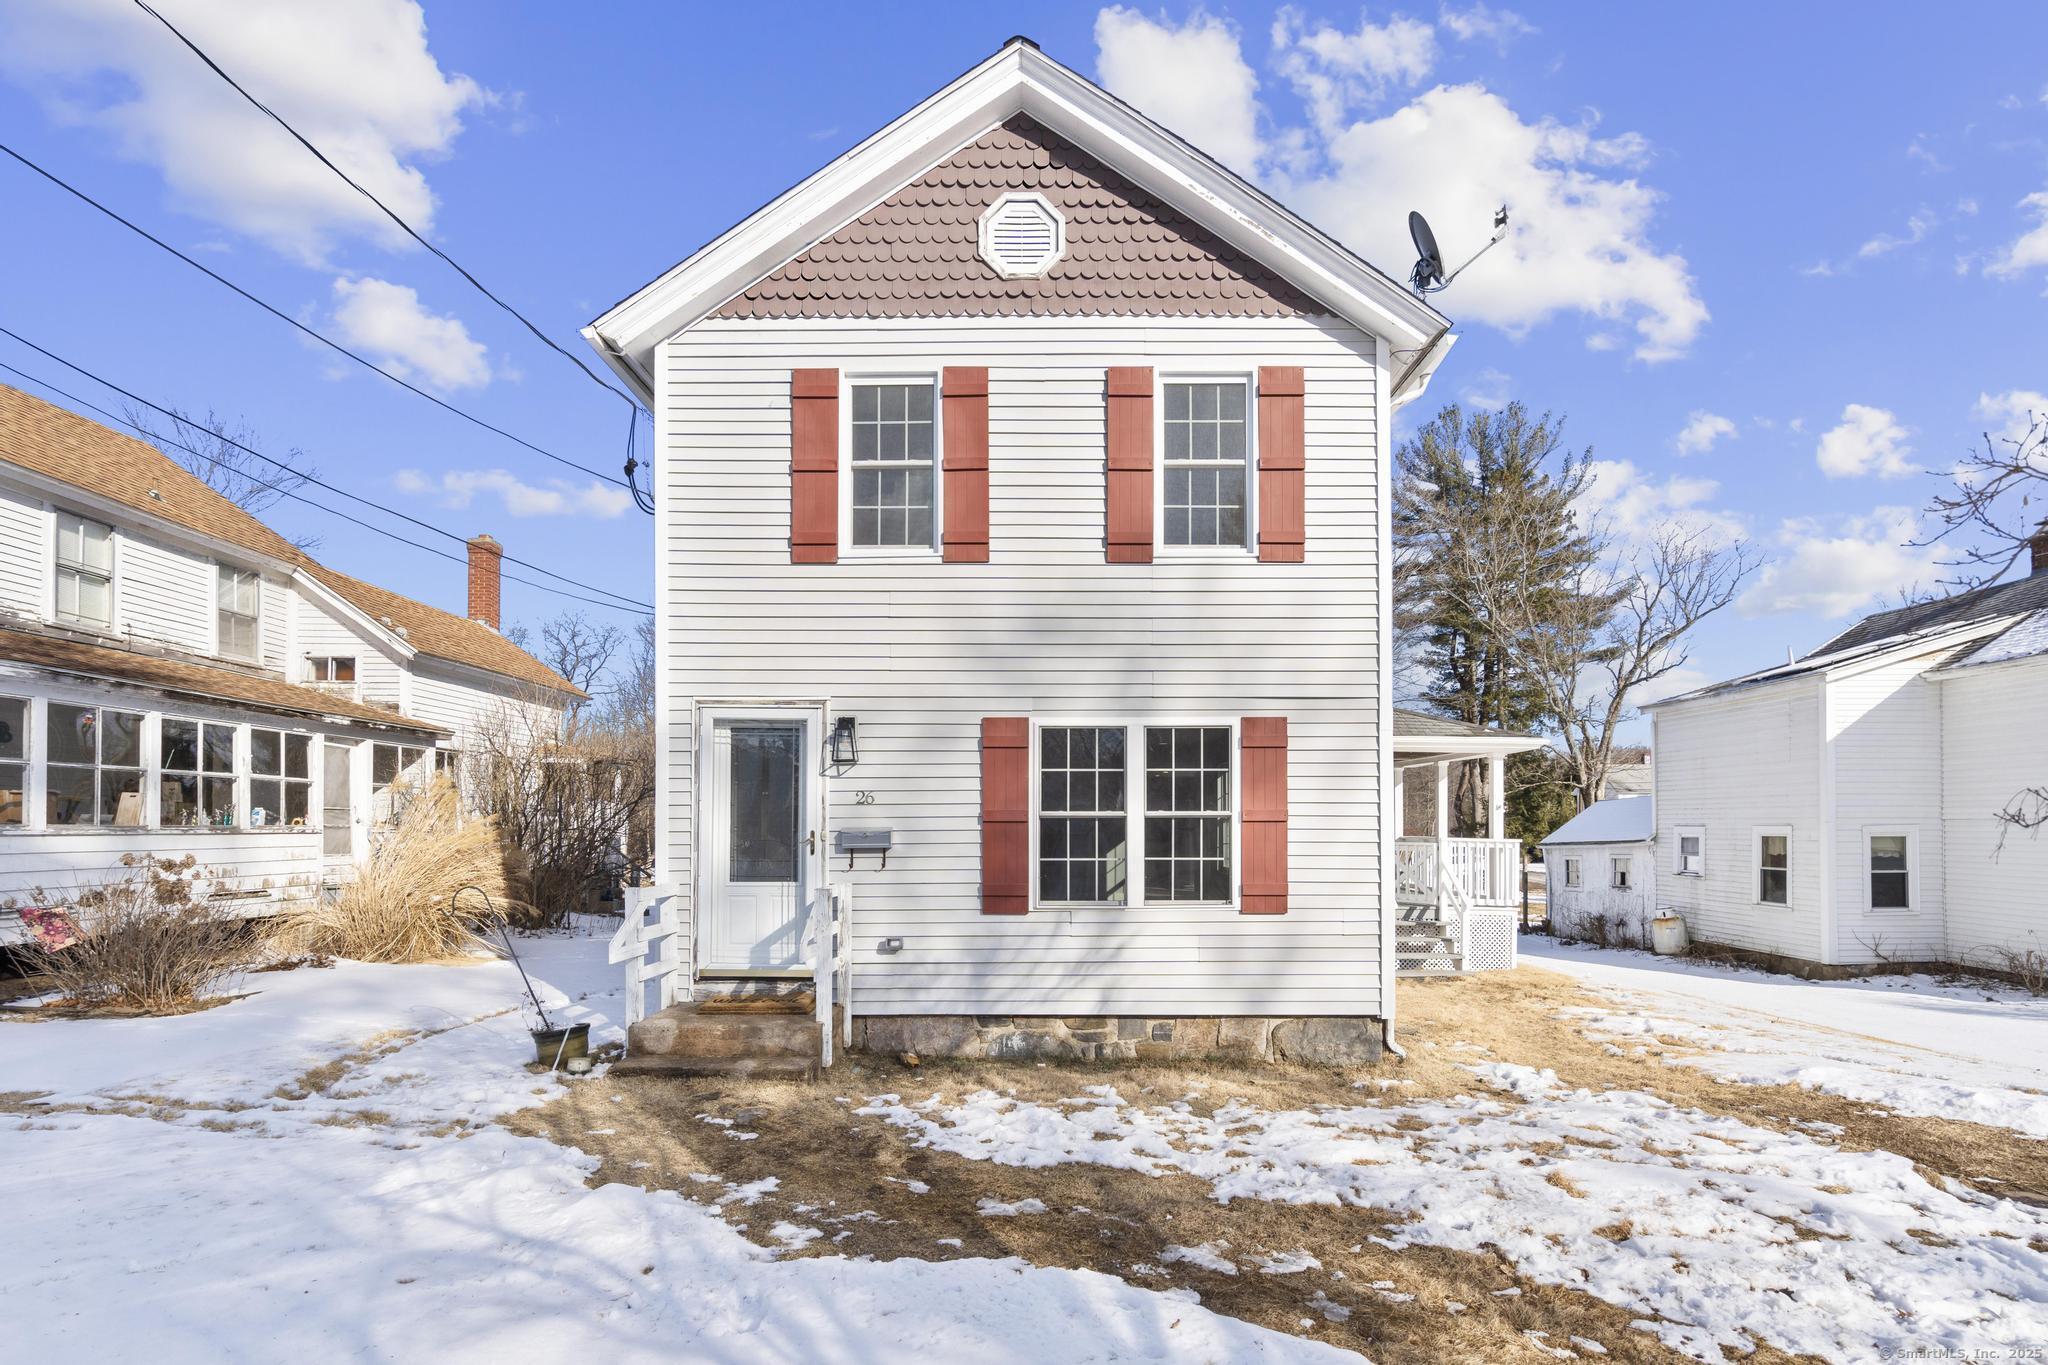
(760,839)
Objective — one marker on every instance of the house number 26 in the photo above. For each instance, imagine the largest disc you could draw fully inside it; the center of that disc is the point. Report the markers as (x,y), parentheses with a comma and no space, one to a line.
(863,798)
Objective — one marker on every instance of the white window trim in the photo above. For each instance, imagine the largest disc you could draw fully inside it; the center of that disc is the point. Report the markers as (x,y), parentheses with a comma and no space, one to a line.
(848,380)
(221,566)
(1756,866)
(1912,838)
(1134,812)
(1249,377)
(1574,877)
(112,624)
(1615,863)
(1679,836)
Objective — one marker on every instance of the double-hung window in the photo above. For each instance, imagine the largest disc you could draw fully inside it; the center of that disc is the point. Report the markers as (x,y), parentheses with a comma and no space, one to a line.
(85,570)
(280,777)
(1135,815)
(1622,868)
(237,594)
(1774,867)
(13,761)
(1891,871)
(196,777)
(891,501)
(93,759)
(1571,872)
(1205,497)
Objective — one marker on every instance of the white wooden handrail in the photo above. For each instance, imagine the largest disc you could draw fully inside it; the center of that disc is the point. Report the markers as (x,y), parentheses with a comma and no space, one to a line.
(828,947)
(653,919)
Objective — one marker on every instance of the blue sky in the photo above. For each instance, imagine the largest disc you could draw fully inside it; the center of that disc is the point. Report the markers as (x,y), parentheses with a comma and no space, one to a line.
(1798,233)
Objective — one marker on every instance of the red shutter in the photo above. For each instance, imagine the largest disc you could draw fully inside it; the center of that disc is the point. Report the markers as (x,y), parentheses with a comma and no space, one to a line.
(1262,770)
(1129,421)
(1282,474)
(1005,815)
(965,394)
(813,466)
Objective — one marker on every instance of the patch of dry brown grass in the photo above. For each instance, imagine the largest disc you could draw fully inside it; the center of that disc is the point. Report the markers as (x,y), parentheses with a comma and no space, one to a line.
(409,901)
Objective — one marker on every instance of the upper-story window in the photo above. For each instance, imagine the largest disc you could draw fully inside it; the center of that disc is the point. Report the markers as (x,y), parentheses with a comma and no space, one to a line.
(1204,498)
(85,570)
(891,502)
(237,599)
(331,668)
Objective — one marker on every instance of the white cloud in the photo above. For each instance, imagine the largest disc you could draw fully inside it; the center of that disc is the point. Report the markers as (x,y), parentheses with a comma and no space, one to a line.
(1488,389)
(1634,503)
(1919,150)
(2015,414)
(388,321)
(1581,242)
(458,488)
(1479,23)
(1917,228)
(2030,248)
(1191,78)
(356,79)
(1866,441)
(1839,569)
(1702,429)
(1335,71)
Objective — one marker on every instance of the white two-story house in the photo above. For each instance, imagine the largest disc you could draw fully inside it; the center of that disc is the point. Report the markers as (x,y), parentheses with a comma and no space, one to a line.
(177,679)
(1022,572)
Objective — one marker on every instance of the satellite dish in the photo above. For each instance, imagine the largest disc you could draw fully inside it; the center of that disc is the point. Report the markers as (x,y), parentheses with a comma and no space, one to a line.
(1428,274)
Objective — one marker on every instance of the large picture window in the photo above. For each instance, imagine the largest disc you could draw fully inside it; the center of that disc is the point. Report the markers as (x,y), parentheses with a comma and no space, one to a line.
(280,778)
(93,771)
(196,777)
(237,599)
(1204,499)
(1135,815)
(893,463)
(85,570)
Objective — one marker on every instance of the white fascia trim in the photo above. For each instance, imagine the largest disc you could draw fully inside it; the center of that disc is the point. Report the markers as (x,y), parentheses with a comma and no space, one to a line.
(127,520)
(1018,79)
(353,614)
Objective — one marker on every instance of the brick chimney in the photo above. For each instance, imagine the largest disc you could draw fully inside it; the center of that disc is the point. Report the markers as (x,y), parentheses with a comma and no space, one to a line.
(484,555)
(2037,549)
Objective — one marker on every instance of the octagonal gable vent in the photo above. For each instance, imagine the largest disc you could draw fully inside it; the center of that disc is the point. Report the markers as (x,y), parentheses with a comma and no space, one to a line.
(1022,235)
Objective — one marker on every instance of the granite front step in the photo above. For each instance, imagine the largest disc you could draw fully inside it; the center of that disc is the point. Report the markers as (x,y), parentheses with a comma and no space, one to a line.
(686,1040)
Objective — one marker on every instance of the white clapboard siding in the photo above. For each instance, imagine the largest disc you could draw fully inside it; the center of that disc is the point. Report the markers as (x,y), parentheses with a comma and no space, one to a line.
(323,633)
(24,554)
(162,592)
(1626,912)
(1885,724)
(1994,741)
(53,868)
(1730,764)
(276,623)
(462,700)
(920,652)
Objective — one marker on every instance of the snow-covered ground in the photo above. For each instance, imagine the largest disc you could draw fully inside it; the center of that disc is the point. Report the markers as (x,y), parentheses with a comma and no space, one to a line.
(1913,1044)
(175,1206)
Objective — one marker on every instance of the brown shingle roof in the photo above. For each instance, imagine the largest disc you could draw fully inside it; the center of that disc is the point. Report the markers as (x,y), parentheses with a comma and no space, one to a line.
(60,444)
(916,254)
(191,679)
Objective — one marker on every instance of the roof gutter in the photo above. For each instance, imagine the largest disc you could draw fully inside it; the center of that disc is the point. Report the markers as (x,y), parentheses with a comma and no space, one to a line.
(1431,356)
(622,365)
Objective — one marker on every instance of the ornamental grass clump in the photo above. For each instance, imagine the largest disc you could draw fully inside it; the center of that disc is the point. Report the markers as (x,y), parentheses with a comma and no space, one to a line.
(409,900)
(143,943)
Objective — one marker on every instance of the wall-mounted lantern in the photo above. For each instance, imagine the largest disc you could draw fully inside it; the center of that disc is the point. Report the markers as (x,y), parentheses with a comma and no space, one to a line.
(843,748)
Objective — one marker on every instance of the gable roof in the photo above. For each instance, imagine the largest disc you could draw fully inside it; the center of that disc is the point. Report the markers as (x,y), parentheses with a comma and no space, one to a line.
(1930,640)
(2027,639)
(2000,599)
(192,679)
(1617,820)
(916,254)
(1020,79)
(62,446)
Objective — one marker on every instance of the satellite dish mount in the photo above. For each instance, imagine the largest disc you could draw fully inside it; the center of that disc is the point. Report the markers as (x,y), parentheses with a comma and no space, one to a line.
(1428,276)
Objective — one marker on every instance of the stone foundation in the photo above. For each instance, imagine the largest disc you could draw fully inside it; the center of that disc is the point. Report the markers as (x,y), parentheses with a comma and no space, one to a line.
(1316,1041)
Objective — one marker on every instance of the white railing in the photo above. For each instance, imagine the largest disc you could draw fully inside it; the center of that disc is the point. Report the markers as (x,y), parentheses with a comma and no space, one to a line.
(1489,871)
(654,919)
(828,947)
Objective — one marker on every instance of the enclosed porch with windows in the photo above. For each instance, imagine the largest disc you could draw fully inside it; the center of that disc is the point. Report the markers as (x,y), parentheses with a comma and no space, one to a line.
(1457,876)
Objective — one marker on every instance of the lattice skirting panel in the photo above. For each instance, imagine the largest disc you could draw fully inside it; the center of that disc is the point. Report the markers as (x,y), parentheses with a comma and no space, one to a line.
(1490,941)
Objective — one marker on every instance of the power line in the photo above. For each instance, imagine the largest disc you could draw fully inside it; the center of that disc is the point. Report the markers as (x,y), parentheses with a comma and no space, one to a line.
(324,340)
(386,209)
(144,432)
(309,478)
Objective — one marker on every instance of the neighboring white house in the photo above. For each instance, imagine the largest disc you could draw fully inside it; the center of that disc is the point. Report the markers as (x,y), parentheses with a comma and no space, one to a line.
(1022,565)
(1846,805)
(1600,873)
(178,679)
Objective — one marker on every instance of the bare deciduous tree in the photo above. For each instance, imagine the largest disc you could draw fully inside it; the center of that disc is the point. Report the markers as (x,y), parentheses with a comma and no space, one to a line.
(213,451)
(575,646)
(1996,503)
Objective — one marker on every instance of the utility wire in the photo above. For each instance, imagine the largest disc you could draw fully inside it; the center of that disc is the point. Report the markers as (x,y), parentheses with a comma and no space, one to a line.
(146,434)
(407,228)
(299,473)
(285,317)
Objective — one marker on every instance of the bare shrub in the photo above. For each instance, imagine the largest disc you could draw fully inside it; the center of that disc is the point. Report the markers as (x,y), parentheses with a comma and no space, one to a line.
(407,902)
(574,803)
(2027,966)
(144,943)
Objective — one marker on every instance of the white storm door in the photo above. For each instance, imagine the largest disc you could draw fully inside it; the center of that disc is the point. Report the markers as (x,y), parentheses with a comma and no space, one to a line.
(760,845)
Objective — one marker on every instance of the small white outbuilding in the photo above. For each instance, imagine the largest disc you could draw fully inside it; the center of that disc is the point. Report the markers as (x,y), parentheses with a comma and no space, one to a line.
(1601,874)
